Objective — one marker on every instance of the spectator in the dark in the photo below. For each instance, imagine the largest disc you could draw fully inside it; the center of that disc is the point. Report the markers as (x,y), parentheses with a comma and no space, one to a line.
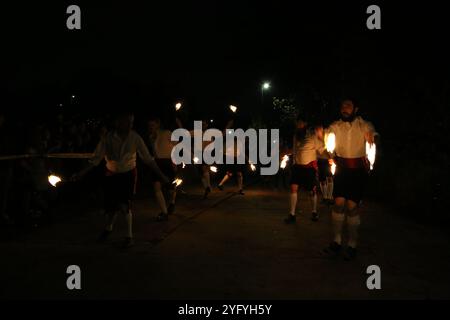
(5,170)
(34,178)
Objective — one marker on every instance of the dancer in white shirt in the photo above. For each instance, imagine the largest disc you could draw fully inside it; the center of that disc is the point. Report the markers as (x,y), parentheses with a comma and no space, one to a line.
(119,148)
(161,146)
(202,168)
(352,167)
(237,169)
(306,144)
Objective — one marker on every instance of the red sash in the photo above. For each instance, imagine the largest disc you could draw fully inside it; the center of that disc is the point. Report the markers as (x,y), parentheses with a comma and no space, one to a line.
(312,164)
(352,163)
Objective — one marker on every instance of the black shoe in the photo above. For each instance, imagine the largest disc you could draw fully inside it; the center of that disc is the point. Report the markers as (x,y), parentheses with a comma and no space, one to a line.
(171,208)
(104,236)
(128,243)
(241,192)
(290,219)
(349,254)
(207,192)
(162,217)
(315,216)
(333,249)
(220,187)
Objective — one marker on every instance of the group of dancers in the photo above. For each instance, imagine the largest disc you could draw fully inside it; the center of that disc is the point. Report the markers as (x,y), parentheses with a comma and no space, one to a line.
(310,170)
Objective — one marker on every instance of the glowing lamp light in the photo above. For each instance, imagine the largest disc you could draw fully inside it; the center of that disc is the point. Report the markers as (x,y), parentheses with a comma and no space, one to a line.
(196,160)
(178,106)
(213,169)
(252,166)
(233,108)
(266,86)
(54,180)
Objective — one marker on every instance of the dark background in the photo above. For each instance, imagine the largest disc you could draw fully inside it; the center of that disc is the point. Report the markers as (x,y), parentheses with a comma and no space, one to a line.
(143,56)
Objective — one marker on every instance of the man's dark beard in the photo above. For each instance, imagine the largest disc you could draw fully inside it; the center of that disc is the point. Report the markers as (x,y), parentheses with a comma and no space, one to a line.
(349,118)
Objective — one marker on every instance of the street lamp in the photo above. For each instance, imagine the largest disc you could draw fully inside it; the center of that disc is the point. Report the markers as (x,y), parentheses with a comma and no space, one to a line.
(233,108)
(264,86)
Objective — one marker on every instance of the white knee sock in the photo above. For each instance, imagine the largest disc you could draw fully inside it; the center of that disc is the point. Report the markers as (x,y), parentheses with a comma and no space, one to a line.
(111,220)
(314,202)
(173,196)
(330,189)
(161,201)
(206,180)
(240,182)
(338,222)
(322,189)
(353,226)
(129,219)
(293,203)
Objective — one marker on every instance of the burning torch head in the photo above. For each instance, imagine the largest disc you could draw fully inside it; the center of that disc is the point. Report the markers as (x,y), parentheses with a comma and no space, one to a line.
(54,180)
(371,153)
(330,142)
(177,182)
(284,161)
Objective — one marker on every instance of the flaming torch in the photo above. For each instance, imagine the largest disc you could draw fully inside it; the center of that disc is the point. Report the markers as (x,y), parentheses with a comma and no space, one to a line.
(371,151)
(178,106)
(233,108)
(54,180)
(332,166)
(330,142)
(284,161)
(213,169)
(252,167)
(177,182)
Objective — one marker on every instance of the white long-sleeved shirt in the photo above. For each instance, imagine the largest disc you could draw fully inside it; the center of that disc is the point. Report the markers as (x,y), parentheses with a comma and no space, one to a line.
(120,155)
(351,137)
(304,152)
(162,144)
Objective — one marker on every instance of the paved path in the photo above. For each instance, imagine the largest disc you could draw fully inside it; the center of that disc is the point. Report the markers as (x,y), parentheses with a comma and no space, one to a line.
(227,247)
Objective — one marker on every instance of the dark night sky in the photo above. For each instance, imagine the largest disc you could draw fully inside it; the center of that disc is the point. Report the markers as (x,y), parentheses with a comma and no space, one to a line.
(215,53)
